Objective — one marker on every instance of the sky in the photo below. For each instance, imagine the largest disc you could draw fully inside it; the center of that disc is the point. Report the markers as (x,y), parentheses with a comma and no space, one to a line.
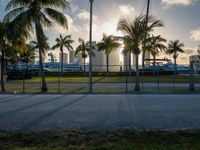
(181,19)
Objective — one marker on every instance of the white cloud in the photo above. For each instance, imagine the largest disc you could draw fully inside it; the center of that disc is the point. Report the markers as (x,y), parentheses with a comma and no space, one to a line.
(72,27)
(178,2)
(126,9)
(195,34)
(85,15)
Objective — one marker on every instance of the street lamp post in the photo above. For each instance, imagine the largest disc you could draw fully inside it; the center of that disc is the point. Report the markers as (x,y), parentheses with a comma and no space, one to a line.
(90,53)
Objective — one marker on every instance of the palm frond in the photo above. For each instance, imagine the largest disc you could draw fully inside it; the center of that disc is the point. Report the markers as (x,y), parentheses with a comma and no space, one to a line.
(17,3)
(58,17)
(12,14)
(55,3)
(56,46)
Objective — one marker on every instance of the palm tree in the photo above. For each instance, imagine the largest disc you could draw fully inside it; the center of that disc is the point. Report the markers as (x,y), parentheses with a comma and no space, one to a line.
(135,32)
(198,51)
(154,45)
(37,14)
(84,49)
(27,55)
(3,45)
(108,44)
(175,47)
(62,42)
(127,52)
(10,35)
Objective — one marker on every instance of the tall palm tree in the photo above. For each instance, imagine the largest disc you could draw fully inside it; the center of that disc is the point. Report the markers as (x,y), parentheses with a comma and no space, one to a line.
(84,49)
(3,45)
(62,42)
(8,34)
(135,32)
(154,45)
(174,48)
(108,44)
(37,14)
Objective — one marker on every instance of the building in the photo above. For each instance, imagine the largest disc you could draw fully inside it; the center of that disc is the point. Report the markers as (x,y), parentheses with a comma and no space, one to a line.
(99,61)
(147,56)
(65,58)
(195,59)
(72,57)
(127,62)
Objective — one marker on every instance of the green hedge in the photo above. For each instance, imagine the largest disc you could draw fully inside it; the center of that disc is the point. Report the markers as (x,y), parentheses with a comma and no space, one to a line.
(78,73)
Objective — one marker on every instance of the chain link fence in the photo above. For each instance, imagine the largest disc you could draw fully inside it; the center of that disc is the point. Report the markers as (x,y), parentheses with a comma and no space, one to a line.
(111,79)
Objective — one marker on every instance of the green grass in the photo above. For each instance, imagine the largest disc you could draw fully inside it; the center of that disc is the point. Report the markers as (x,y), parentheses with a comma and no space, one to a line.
(112,140)
(119,79)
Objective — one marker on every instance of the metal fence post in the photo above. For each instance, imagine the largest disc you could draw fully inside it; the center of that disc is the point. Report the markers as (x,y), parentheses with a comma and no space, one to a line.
(192,87)
(90,53)
(126,78)
(24,76)
(142,80)
(158,80)
(174,77)
(59,76)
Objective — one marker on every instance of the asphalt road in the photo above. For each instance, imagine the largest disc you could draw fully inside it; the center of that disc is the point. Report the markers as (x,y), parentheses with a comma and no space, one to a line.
(98,112)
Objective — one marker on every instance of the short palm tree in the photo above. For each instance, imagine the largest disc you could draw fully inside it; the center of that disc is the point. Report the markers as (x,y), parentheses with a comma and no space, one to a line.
(155,45)
(135,32)
(62,42)
(84,50)
(198,51)
(27,55)
(127,52)
(174,48)
(108,44)
(40,13)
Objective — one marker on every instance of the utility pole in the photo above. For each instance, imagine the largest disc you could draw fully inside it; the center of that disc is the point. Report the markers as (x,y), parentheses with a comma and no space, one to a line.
(146,55)
(90,53)
(147,15)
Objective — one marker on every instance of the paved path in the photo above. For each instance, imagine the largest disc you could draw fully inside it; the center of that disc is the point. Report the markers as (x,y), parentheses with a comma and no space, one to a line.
(98,112)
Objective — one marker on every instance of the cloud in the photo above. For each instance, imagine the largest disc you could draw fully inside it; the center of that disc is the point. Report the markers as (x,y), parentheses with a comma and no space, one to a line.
(178,2)
(190,51)
(85,15)
(126,9)
(195,34)
(60,30)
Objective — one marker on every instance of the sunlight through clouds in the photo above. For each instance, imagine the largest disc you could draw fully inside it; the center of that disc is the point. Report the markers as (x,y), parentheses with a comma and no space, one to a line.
(178,2)
(195,34)
(85,15)
(126,9)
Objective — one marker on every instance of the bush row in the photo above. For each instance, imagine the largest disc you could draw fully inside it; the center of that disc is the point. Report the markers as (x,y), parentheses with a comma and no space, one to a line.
(76,74)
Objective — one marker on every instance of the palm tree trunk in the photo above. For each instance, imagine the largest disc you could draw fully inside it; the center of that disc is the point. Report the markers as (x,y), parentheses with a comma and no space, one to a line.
(107,63)
(44,86)
(26,66)
(84,64)
(143,58)
(137,82)
(154,65)
(130,68)
(62,56)
(175,67)
(2,71)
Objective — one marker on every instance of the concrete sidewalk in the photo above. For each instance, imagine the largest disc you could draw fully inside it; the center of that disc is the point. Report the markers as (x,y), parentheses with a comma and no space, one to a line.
(98,112)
